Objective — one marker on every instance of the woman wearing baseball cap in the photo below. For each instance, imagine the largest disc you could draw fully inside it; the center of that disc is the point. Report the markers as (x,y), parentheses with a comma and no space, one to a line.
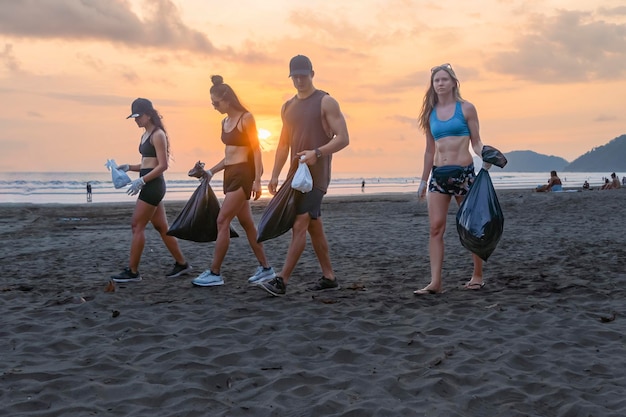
(154,148)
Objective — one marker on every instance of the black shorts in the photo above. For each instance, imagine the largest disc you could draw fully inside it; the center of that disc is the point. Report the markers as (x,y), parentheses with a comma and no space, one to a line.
(239,176)
(154,190)
(310,202)
(453,180)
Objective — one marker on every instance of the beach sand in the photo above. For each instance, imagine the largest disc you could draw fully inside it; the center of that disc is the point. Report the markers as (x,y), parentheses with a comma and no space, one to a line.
(544,337)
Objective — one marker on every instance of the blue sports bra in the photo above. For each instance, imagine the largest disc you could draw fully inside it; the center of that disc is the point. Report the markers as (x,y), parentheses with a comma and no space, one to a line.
(454,126)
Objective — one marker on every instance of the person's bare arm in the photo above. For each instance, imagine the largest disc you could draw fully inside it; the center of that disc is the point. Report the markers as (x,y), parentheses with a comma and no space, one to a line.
(282,153)
(471,116)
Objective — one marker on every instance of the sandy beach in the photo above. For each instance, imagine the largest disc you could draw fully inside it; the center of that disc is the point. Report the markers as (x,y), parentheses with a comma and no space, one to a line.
(544,337)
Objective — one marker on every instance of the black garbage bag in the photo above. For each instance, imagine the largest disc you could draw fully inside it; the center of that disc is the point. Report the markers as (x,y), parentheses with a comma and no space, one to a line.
(279,214)
(197,221)
(493,156)
(480,221)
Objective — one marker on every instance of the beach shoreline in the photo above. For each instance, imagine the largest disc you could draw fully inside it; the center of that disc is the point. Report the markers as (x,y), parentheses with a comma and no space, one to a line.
(544,337)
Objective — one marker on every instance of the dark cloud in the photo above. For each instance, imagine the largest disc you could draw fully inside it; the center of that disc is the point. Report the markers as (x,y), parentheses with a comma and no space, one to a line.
(605,118)
(7,58)
(569,47)
(405,120)
(102,20)
(605,11)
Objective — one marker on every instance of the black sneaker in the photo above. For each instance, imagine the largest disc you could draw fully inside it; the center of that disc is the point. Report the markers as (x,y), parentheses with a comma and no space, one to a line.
(179,270)
(274,286)
(325,284)
(126,276)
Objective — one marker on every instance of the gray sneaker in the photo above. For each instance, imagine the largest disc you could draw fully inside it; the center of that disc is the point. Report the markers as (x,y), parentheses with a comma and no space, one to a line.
(208,279)
(126,276)
(275,286)
(179,270)
(262,275)
(324,284)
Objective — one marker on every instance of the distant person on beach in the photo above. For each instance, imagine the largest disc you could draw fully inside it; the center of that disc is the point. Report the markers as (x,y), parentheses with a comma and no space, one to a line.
(611,184)
(606,184)
(554,184)
(89,192)
(363,185)
(313,128)
(451,127)
(586,185)
(155,149)
(243,168)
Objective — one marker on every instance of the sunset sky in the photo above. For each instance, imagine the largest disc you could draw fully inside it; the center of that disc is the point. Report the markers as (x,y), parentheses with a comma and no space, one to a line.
(548,76)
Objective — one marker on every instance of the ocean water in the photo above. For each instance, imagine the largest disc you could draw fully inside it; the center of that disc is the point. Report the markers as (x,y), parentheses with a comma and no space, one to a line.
(70,187)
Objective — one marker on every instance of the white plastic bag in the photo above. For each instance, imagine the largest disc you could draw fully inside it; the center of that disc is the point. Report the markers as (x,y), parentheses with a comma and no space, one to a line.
(302,180)
(120,178)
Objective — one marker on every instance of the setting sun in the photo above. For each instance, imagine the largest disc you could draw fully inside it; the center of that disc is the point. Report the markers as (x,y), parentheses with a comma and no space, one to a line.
(264,134)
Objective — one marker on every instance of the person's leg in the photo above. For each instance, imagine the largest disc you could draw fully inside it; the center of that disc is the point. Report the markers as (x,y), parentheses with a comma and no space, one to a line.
(438,204)
(247,223)
(320,246)
(141,216)
(476,282)
(159,221)
(297,245)
(233,201)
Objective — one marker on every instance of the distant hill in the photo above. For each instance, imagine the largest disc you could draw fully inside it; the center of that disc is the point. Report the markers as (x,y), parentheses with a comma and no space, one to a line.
(606,158)
(529,161)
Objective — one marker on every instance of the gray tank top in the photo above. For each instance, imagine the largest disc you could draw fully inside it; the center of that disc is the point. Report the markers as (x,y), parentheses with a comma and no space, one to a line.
(302,118)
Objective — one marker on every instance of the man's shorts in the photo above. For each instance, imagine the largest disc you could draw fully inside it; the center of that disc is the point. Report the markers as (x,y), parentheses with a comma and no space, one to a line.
(453,180)
(310,202)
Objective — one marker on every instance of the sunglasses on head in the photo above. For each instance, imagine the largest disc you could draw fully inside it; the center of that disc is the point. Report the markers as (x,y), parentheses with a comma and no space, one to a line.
(440,67)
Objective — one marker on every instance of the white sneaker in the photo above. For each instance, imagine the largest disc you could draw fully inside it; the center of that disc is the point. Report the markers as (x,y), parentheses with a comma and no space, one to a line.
(208,279)
(262,275)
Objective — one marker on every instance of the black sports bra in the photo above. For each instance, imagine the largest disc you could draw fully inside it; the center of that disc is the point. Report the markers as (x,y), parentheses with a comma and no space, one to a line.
(146,148)
(235,137)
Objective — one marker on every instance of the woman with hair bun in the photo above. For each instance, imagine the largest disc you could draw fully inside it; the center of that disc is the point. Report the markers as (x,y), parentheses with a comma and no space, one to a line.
(155,151)
(243,168)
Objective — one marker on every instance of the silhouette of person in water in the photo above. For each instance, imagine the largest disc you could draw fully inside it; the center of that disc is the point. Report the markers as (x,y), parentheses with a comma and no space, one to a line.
(89,192)
(363,185)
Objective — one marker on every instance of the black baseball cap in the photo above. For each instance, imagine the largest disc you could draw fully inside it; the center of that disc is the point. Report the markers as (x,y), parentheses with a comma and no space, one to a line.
(300,65)
(139,107)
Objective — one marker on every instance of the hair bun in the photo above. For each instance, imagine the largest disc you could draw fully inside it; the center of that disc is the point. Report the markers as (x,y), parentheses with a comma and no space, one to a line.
(217,79)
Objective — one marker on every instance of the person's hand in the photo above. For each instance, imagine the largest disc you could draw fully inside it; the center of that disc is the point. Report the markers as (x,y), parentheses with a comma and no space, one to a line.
(257,190)
(124,167)
(421,191)
(486,166)
(307,157)
(136,186)
(273,184)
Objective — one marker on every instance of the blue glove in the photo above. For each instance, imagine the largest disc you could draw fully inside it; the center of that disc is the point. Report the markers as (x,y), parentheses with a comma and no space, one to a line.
(136,186)
(124,167)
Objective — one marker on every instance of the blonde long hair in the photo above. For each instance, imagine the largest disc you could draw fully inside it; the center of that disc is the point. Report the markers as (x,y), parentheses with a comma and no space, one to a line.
(431,99)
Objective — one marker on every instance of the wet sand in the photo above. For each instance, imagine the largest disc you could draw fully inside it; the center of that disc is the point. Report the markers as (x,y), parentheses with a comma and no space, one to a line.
(544,337)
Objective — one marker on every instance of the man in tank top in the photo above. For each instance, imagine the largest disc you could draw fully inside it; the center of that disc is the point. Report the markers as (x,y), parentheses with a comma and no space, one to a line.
(313,129)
